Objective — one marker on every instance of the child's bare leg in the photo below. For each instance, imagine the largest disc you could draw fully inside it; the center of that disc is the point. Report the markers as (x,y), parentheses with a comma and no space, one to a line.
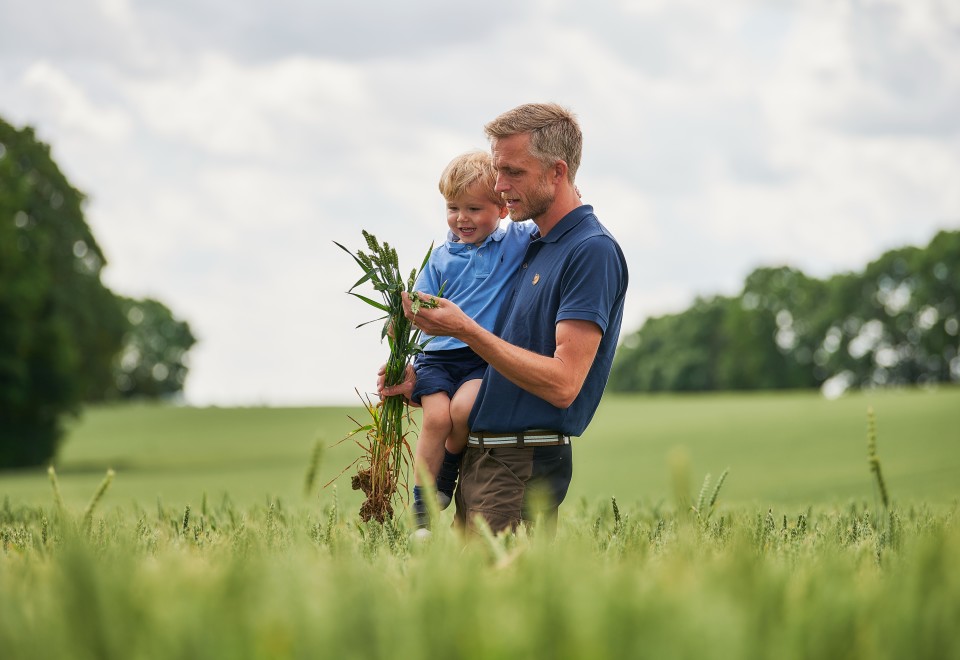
(460,407)
(434,429)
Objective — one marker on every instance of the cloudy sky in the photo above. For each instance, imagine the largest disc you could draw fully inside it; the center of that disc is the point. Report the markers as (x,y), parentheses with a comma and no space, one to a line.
(224,146)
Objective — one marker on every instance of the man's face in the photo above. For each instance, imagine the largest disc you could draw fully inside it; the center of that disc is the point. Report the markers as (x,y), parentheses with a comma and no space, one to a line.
(522,180)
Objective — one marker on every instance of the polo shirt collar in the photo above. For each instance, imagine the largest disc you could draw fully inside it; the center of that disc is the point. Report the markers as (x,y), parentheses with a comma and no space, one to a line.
(457,246)
(567,222)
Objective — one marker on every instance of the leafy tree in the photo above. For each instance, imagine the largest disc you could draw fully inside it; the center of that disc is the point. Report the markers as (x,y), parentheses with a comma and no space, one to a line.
(897,322)
(59,325)
(152,363)
(676,352)
(783,305)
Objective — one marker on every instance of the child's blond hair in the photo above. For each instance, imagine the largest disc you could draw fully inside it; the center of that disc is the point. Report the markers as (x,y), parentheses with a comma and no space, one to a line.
(467,169)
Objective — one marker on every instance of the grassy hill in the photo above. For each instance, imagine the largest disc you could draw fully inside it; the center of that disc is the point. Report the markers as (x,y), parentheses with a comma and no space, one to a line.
(788,449)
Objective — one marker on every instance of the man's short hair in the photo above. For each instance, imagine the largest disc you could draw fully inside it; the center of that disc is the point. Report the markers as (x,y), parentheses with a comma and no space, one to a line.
(467,169)
(554,133)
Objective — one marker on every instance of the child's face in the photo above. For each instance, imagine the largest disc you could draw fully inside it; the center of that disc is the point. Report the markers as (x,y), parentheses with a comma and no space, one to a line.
(472,216)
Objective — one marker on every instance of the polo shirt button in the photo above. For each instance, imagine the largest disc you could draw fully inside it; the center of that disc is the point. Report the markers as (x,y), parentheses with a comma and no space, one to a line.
(523,266)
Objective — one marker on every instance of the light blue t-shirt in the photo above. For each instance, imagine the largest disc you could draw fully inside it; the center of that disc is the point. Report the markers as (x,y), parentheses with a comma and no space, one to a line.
(476,276)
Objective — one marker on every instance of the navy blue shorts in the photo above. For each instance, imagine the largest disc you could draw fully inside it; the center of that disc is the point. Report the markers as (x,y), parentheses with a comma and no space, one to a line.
(445,371)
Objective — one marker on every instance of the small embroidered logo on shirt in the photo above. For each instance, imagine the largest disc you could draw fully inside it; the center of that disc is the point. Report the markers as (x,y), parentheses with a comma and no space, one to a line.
(536,278)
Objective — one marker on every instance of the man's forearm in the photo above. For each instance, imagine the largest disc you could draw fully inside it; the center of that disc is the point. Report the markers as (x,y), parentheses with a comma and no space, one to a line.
(552,378)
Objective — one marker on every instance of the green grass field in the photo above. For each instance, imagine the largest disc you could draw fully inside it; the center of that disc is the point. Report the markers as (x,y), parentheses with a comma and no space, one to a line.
(782,449)
(206,546)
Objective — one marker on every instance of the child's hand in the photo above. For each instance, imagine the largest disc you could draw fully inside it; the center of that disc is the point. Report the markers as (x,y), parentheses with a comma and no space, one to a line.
(404,389)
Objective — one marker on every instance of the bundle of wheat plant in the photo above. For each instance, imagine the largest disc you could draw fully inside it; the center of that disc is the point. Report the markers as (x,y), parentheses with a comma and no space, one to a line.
(386,452)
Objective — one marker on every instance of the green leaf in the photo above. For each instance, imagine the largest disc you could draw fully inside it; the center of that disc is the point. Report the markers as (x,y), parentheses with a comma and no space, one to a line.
(426,258)
(379,318)
(363,279)
(374,303)
(359,263)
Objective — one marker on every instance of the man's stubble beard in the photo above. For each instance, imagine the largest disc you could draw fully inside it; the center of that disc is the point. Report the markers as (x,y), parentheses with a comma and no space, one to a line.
(535,206)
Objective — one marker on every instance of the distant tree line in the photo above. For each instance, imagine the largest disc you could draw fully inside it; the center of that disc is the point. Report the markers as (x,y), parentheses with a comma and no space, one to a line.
(65,338)
(895,323)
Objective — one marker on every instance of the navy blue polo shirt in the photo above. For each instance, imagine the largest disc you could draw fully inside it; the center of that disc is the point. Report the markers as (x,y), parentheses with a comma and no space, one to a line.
(577,271)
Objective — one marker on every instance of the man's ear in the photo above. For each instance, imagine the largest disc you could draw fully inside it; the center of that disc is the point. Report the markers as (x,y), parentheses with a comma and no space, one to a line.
(560,171)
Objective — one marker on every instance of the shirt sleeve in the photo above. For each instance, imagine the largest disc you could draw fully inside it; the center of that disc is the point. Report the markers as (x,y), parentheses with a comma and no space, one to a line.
(593,281)
(429,279)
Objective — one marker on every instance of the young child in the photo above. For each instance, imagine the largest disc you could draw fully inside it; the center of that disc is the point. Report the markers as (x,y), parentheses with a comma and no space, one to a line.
(474,267)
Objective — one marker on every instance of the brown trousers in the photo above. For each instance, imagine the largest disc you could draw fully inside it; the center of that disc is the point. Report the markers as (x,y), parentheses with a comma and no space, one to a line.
(510,486)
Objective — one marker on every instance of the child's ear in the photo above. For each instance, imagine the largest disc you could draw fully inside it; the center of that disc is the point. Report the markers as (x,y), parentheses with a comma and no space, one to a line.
(503,212)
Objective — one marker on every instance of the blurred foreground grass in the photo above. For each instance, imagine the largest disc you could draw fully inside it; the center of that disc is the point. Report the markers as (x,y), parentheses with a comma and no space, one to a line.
(275,582)
(206,546)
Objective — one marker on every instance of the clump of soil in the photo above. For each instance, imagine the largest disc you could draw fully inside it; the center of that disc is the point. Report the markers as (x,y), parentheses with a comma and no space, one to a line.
(377,505)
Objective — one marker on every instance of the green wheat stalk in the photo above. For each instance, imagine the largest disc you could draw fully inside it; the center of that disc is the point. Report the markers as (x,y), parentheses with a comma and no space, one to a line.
(698,509)
(313,467)
(387,451)
(57,497)
(873,460)
(705,505)
(333,517)
(716,489)
(97,496)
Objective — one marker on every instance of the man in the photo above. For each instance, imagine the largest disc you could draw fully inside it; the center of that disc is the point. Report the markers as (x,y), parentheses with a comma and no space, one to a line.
(551,350)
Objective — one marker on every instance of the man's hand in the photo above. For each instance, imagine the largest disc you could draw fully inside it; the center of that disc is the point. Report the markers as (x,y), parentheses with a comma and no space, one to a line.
(404,389)
(436,316)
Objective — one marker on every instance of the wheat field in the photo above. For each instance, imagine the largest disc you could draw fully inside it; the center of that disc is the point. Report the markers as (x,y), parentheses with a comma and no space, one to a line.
(726,526)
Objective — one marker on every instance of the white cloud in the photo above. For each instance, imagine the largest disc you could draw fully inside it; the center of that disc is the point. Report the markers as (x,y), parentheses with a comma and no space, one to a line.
(231,109)
(117,12)
(223,157)
(67,103)
(628,213)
